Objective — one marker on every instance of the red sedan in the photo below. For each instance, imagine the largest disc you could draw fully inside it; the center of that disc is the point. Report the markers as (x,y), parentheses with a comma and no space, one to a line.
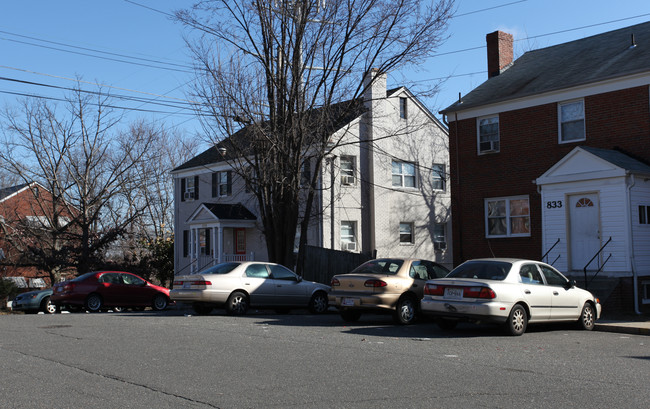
(109,289)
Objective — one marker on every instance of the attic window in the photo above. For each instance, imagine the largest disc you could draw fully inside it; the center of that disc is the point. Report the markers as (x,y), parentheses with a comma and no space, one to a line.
(403,108)
(571,121)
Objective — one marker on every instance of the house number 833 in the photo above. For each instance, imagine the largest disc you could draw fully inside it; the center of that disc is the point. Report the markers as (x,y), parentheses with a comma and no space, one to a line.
(555,204)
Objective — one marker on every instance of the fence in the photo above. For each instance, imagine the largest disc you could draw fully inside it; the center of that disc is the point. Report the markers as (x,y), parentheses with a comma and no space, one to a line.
(322,264)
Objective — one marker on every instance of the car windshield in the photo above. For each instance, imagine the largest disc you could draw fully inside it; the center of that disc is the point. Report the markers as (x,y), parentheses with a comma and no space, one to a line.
(223,268)
(379,266)
(486,270)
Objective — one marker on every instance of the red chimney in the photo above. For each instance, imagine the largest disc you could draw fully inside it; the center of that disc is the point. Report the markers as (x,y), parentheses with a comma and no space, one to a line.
(499,52)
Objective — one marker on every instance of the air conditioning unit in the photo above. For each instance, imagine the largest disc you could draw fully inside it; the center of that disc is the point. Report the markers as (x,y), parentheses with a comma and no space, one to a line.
(348,246)
(347,180)
(189,196)
(440,245)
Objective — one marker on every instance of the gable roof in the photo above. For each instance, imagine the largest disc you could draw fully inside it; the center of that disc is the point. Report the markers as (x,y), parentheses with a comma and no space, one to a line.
(589,60)
(224,211)
(8,191)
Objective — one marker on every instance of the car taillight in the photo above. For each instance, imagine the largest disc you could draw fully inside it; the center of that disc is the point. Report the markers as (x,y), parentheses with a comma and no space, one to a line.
(375,283)
(433,289)
(479,292)
(335,282)
(177,283)
(68,287)
(201,282)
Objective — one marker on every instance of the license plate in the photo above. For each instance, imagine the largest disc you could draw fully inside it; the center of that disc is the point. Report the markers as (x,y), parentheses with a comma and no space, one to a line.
(187,284)
(454,293)
(347,302)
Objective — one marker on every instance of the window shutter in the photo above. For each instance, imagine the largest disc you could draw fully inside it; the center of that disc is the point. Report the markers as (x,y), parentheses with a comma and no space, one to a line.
(229,183)
(215,183)
(182,189)
(186,236)
(196,187)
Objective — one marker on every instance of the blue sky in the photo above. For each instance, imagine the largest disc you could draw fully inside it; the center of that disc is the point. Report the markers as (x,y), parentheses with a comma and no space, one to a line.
(140,52)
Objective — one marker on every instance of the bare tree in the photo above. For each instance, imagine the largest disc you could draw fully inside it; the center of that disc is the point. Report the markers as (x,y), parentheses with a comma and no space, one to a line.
(290,71)
(79,155)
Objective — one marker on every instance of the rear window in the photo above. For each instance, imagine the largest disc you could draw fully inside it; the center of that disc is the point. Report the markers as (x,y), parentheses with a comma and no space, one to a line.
(379,266)
(486,270)
(223,268)
(84,276)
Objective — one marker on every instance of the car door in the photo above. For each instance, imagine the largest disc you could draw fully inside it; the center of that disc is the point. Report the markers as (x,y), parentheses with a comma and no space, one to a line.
(565,303)
(289,289)
(537,295)
(111,289)
(421,271)
(259,284)
(135,291)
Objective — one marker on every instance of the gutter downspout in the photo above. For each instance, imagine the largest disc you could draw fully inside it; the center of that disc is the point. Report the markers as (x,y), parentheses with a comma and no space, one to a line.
(631,245)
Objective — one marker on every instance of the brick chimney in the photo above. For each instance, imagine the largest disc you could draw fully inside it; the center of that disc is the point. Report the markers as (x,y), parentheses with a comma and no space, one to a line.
(499,52)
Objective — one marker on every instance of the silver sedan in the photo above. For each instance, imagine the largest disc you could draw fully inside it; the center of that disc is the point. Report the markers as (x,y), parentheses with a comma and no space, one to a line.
(240,285)
(512,292)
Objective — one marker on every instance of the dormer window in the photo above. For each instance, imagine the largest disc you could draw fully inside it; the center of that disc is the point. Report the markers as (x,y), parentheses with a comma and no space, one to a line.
(488,134)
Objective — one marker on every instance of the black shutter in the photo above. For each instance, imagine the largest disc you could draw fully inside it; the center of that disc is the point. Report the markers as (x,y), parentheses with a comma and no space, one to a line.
(182,189)
(215,183)
(186,244)
(196,187)
(229,183)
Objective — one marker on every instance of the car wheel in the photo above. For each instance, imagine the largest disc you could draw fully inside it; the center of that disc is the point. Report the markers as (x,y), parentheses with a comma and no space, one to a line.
(587,317)
(318,303)
(405,311)
(237,303)
(447,324)
(94,303)
(47,307)
(350,315)
(159,303)
(202,309)
(517,321)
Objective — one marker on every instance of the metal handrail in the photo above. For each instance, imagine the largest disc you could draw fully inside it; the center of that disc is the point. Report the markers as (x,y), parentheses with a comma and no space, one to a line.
(549,250)
(592,259)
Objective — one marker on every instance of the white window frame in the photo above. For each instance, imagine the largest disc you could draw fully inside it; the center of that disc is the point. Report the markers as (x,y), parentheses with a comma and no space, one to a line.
(411,228)
(560,134)
(403,108)
(189,190)
(439,174)
(348,173)
(349,241)
(222,184)
(403,175)
(508,216)
(495,146)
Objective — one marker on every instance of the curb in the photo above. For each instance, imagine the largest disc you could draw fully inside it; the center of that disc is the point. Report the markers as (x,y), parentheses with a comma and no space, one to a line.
(624,329)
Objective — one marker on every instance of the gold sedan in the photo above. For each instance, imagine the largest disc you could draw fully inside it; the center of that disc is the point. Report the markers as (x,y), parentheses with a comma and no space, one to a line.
(391,285)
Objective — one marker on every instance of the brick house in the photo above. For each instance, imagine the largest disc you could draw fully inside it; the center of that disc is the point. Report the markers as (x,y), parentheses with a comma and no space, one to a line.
(384,189)
(24,207)
(550,160)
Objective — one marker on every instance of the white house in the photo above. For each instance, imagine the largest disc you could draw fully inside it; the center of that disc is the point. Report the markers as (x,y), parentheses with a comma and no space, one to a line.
(384,189)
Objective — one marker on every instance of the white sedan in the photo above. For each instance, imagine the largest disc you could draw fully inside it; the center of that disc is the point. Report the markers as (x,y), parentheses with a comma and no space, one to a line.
(512,292)
(239,285)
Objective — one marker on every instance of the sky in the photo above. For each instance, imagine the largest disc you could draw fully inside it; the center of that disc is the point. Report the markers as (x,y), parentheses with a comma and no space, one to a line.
(135,50)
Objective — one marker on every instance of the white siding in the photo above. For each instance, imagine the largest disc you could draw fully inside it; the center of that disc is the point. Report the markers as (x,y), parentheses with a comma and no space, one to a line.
(640,195)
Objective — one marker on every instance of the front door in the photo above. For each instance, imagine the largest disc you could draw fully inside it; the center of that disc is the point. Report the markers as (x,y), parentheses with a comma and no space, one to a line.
(240,241)
(584,230)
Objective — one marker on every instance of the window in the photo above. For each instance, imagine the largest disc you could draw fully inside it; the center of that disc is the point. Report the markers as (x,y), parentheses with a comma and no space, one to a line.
(426,270)
(530,274)
(644,214)
(348,236)
(257,270)
(488,134)
(279,272)
(305,174)
(507,217)
(439,176)
(110,278)
(572,121)
(403,174)
(347,170)
(439,238)
(403,111)
(38,222)
(186,243)
(130,279)
(406,233)
(221,184)
(189,188)
(204,242)
(553,277)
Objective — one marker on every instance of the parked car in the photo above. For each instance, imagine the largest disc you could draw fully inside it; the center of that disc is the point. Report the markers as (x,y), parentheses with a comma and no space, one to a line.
(392,285)
(100,290)
(512,292)
(34,301)
(240,285)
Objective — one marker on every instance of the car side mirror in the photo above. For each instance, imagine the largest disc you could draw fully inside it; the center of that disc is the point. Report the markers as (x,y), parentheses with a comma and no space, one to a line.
(298,278)
(570,284)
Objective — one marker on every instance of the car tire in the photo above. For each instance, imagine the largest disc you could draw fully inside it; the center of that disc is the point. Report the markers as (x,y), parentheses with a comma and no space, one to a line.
(47,307)
(159,303)
(237,303)
(447,324)
(405,310)
(202,309)
(517,321)
(587,319)
(318,303)
(350,315)
(94,303)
